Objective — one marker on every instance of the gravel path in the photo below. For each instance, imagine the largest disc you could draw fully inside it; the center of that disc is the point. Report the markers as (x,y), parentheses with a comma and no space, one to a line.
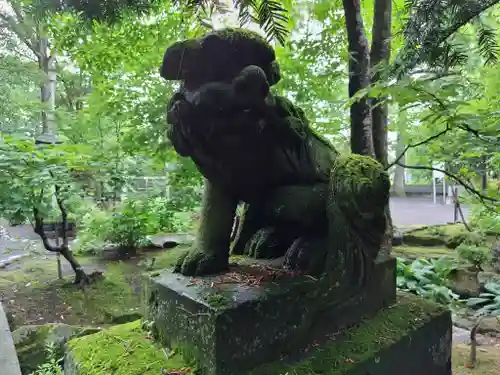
(417,210)
(17,241)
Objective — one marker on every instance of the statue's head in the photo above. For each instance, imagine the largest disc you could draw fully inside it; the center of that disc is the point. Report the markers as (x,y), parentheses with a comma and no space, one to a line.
(218,57)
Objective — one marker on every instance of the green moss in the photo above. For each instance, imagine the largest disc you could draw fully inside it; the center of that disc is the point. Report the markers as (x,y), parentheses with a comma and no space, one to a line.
(362,342)
(122,350)
(168,258)
(237,34)
(33,269)
(104,300)
(415,252)
(29,270)
(364,174)
(217,300)
(488,360)
(450,235)
(31,341)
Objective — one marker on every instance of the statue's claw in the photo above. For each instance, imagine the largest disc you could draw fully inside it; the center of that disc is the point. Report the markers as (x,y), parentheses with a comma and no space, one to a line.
(199,263)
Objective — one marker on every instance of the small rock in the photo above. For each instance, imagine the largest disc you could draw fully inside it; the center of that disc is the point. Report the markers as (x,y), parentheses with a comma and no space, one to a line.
(465,283)
(488,277)
(397,238)
(490,325)
(463,323)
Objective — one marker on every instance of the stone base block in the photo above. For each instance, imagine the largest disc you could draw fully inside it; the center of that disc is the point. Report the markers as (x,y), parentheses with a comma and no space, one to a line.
(412,337)
(253,314)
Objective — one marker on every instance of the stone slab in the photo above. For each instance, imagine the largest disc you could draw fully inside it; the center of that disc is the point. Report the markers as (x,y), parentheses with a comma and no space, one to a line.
(424,350)
(411,337)
(9,364)
(230,327)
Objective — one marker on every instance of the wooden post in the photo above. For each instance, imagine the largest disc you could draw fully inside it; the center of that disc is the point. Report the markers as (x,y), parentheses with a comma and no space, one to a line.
(459,209)
(455,204)
(59,267)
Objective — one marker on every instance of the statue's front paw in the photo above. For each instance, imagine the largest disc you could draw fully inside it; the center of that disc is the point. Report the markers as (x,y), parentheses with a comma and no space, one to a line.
(199,263)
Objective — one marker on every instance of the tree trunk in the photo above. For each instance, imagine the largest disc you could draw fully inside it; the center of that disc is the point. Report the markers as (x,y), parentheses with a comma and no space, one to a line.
(379,58)
(359,78)
(398,184)
(80,275)
(380,54)
(47,91)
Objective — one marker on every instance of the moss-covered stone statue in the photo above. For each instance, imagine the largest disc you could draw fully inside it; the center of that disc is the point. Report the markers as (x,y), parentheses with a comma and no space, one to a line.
(301,199)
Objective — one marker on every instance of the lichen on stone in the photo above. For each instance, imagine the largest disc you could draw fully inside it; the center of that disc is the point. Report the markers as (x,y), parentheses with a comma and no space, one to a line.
(122,350)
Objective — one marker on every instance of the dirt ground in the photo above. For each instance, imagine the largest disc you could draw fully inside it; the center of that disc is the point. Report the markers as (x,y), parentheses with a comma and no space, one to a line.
(488,360)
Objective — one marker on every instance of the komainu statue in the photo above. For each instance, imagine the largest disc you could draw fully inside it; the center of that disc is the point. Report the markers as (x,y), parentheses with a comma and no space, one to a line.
(302,200)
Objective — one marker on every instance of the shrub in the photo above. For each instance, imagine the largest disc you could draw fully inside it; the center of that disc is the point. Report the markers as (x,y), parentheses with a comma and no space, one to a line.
(465,237)
(486,217)
(129,224)
(475,255)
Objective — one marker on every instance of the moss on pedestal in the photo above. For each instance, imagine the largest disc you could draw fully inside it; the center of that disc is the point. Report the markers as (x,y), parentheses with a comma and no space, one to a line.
(363,342)
(125,349)
(122,350)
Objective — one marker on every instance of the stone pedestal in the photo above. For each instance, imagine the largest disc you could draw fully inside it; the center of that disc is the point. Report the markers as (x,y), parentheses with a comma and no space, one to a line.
(231,323)
(410,337)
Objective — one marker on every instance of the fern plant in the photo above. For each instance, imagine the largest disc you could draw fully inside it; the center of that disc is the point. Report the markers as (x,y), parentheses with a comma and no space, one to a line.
(271,15)
(53,364)
(428,28)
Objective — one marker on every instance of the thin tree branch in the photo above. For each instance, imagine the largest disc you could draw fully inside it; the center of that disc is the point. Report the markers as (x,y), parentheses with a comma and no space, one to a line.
(475,8)
(443,106)
(427,140)
(64,214)
(433,34)
(19,28)
(467,187)
(40,230)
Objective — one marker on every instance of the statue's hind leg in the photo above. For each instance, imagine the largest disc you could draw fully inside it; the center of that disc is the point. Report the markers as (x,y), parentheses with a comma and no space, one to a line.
(358,195)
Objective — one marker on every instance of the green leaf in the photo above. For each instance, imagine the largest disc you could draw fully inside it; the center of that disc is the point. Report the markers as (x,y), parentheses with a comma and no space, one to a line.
(493,288)
(472,302)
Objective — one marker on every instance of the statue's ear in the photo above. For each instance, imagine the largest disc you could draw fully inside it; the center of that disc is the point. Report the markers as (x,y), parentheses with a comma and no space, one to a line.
(179,59)
(273,73)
